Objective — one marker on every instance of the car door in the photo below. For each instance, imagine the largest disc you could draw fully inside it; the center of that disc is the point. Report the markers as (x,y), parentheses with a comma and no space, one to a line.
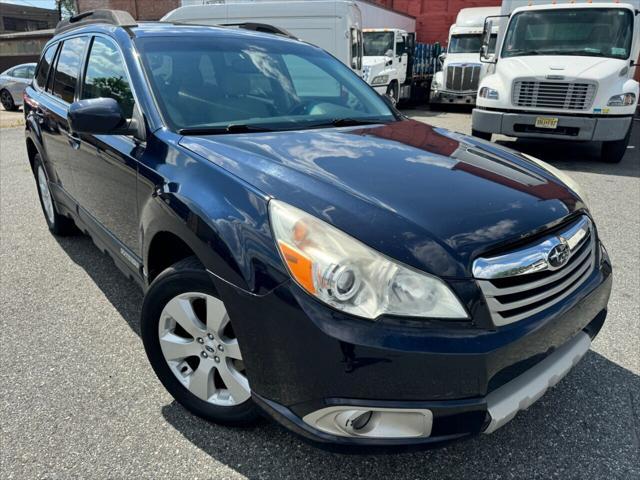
(105,166)
(61,87)
(19,80)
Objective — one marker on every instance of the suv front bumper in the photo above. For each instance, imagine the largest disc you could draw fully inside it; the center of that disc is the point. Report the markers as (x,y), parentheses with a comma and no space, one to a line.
(303,358)
(596,128)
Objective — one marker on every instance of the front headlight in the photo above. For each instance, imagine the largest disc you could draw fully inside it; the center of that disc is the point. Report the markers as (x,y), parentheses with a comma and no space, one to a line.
(489,93)
(346,274)
(622,100)
(380,79)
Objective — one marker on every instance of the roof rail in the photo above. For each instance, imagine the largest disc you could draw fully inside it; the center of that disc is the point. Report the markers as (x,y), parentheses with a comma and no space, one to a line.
(256,27)
(110,17)
(262,27)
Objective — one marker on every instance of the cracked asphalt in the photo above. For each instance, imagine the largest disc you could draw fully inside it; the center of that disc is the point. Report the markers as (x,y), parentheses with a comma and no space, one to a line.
(79,400)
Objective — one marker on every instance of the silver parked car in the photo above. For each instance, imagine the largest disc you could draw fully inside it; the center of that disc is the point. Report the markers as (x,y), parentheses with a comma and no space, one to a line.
(12,84)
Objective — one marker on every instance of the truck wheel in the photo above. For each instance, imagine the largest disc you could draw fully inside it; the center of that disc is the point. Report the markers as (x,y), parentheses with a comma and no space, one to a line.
(483,135)
(392,93)
(613,152)
(192,347)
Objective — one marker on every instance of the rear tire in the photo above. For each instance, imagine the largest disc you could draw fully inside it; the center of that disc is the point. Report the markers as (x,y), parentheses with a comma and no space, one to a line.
(7,101)
(58,224)
(613,152)
(190,343)
(483,135)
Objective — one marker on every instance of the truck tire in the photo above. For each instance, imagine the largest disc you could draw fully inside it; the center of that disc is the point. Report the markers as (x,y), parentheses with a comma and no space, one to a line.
(483,135)
(613,152)
(393,92)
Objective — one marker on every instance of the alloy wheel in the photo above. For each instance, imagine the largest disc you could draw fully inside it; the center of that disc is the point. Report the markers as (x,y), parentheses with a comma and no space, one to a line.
(45,194)
(201,349)
(6,100)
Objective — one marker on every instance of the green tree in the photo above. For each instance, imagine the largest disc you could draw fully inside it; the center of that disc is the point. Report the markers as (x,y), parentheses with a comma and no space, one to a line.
(66,8)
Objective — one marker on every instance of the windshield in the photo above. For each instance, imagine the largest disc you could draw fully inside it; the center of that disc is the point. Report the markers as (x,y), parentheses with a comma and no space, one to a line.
(377,44)
(596,32)
(267,84)
(469,43)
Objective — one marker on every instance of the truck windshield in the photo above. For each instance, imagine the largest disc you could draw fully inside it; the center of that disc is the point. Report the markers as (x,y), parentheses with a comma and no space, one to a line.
(593,32)
(469,43)
(245,84)
(377,44)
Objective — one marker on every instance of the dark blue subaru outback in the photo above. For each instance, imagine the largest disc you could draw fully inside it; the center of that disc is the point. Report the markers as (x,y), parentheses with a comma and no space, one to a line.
(307,251)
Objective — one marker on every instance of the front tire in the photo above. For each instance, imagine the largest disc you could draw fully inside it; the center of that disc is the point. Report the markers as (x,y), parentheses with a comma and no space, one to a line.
(392,93)
(193,350)
(7,101)
(613,152)
(483,135)
(58,224)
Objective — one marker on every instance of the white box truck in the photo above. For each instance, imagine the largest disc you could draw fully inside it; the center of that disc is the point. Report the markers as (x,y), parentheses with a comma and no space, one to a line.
(335,26)
(387,51)
(562,70)
(457,82)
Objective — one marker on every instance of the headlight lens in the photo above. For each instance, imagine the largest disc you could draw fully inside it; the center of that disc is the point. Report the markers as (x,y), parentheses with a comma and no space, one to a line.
(489,93)
(351,277)
(622,100)
(380,79)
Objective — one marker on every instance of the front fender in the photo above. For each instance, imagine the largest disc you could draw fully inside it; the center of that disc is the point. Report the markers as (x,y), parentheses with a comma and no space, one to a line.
(222,220)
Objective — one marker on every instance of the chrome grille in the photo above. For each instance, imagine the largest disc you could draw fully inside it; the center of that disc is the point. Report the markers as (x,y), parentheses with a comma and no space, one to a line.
(462,77)
(554,95)
(523,282)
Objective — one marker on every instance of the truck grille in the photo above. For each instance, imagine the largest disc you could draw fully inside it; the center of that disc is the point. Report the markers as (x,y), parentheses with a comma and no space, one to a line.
(462,77)
(513,296)
(553,95)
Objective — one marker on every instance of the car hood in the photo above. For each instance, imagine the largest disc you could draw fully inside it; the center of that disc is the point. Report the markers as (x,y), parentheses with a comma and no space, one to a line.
(431,198)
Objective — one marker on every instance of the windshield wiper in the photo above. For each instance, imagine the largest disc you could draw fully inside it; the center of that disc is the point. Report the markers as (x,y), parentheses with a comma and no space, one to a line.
(346,122)
(218,130)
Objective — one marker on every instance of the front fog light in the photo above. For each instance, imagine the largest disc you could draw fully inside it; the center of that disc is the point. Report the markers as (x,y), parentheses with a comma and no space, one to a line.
(622,100)
(352,277)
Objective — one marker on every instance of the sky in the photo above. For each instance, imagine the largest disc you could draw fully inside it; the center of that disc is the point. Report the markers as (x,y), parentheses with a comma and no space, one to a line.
(33,3)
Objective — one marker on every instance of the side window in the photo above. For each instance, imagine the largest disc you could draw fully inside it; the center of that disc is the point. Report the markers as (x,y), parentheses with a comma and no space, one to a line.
(20,72)
(106,76)
(31,70)
(44,66)
(68,68)
(400,48)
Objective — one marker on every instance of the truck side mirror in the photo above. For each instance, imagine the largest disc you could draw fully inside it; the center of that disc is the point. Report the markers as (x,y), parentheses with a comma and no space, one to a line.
(485,55)
(441,57)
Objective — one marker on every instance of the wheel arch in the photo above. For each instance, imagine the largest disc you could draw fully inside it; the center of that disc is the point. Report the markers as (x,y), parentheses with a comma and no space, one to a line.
(165,249)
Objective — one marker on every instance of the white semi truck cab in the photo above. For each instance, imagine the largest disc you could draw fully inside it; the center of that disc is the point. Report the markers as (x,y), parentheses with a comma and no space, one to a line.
(562,70)
(462,70)
(385,60)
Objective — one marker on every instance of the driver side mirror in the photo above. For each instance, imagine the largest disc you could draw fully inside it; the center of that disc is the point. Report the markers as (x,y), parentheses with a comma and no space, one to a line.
(441,57)
(485,55)
(99,116)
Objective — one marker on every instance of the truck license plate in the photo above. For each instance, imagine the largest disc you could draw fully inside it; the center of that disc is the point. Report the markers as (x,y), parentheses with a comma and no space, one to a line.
(546,122)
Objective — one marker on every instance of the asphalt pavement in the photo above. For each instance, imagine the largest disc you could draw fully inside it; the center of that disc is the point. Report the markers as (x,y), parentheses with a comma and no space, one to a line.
(78,398)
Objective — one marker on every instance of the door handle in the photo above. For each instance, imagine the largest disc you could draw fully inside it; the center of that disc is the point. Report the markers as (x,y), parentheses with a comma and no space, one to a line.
(74,140)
